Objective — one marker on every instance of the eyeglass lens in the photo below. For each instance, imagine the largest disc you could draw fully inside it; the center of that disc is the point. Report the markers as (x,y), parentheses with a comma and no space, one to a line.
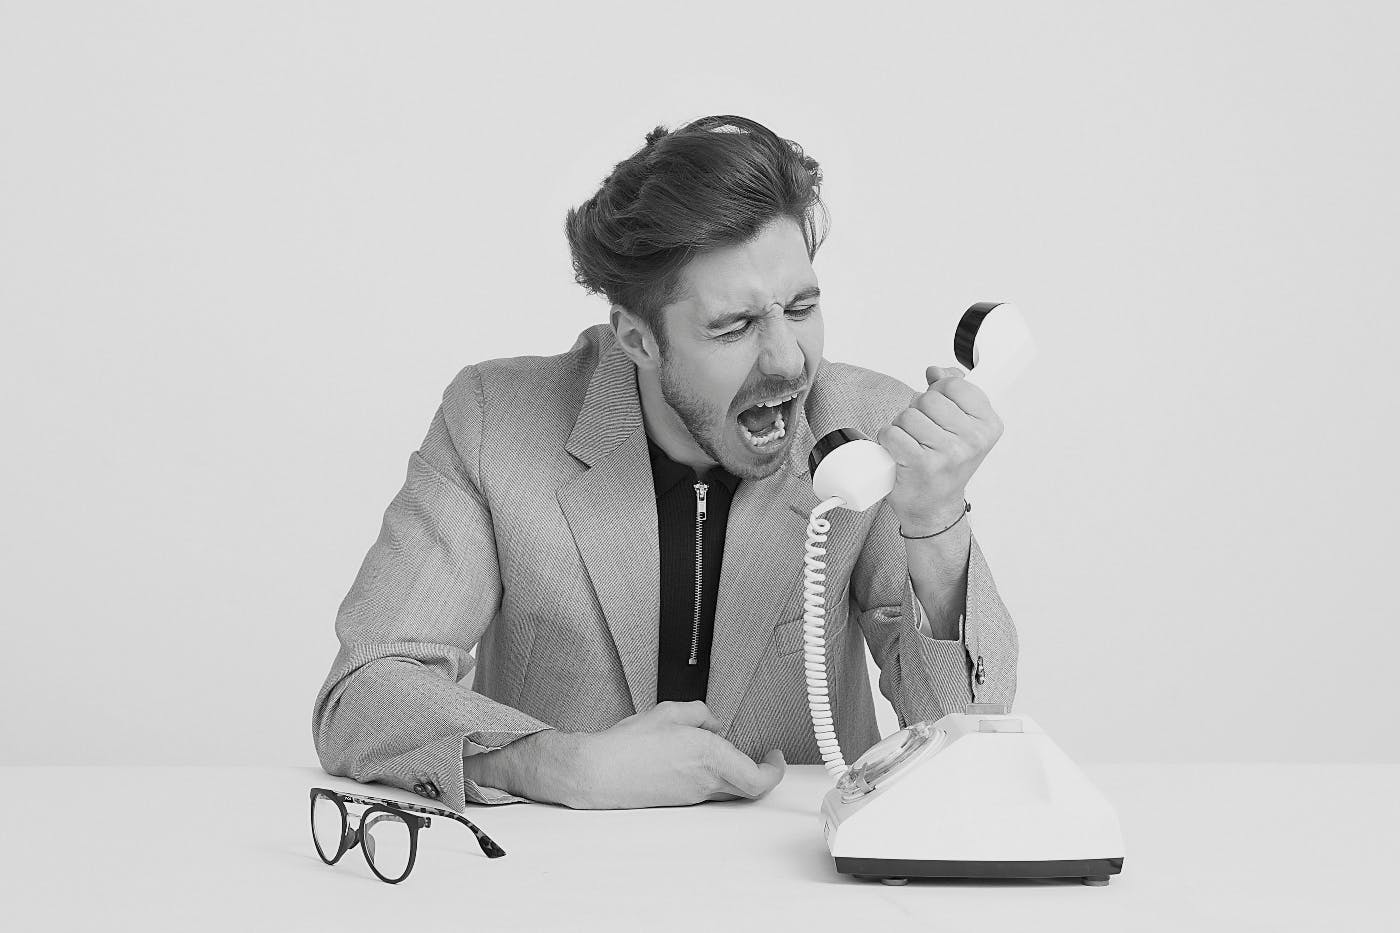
(387,839)
(326,826)
(389,843)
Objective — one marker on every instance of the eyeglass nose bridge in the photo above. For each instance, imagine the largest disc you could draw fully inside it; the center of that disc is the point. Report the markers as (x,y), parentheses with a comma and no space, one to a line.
(355,832)
(352,835)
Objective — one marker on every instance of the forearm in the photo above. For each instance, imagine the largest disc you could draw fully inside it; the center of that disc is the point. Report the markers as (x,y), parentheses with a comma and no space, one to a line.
(537,767)
(938,570)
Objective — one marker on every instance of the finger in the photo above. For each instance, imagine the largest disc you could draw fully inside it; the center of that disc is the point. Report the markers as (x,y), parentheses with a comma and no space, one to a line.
(724,795)
(739,772)
(969,397)
(693,713)
(771,775)
(926,430)
(904,448)
(941,406)
(772,769)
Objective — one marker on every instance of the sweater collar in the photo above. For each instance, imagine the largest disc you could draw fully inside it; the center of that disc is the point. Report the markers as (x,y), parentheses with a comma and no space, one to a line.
(666,473)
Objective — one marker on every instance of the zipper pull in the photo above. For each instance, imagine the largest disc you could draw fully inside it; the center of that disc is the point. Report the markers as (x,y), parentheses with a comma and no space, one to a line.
(700,490)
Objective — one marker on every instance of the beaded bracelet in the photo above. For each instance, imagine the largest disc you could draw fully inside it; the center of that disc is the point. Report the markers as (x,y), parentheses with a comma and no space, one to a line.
(967,508)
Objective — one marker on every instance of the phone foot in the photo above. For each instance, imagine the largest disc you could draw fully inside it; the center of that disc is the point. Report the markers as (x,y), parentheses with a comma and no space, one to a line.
(1095,879)
(894,881)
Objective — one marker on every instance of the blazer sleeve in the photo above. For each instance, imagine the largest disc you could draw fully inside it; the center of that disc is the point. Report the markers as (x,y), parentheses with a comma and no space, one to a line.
(924,677)
(392,708)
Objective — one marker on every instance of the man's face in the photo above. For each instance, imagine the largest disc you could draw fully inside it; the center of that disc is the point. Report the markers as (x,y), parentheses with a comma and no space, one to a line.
(749,330)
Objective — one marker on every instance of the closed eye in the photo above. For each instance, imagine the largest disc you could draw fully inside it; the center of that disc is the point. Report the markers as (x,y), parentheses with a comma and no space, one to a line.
(730,336)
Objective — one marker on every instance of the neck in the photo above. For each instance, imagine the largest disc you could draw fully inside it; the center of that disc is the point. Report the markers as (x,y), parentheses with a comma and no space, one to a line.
(666,428)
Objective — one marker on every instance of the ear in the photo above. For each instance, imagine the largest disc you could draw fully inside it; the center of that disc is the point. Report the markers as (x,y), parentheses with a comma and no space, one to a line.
(634,338)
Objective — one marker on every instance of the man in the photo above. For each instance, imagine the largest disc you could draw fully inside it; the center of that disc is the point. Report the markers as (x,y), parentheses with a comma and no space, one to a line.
(619,530)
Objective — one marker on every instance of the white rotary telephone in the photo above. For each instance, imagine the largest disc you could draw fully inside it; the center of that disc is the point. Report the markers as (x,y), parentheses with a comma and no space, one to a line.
(979,793)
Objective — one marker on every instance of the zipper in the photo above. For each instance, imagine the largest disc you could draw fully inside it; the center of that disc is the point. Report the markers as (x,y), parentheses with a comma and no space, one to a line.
(700,490)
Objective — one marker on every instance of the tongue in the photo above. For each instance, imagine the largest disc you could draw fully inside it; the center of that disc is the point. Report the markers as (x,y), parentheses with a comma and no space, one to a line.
(759,420)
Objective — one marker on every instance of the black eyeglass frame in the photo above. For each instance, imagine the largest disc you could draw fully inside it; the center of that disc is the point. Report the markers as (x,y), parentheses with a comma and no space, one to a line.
(397,809)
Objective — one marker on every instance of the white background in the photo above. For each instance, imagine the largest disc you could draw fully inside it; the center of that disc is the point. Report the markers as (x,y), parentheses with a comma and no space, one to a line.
(244,247)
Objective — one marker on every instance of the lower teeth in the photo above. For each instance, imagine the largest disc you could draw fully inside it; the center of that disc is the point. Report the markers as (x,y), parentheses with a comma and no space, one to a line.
(775,433)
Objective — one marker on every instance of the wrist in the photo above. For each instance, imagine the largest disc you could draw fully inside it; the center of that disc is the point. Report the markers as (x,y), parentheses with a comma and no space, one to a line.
(537,767)
(555,762)
(934,520)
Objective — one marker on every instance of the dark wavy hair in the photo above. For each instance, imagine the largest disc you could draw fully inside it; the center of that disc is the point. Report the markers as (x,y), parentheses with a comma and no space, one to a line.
(715,182)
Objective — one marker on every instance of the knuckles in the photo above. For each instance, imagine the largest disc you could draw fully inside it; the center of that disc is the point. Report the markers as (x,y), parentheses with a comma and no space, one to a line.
(907,419)
(882,436)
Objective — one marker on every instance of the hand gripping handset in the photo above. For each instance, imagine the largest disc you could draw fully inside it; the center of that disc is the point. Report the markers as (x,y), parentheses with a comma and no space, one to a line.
(850,470)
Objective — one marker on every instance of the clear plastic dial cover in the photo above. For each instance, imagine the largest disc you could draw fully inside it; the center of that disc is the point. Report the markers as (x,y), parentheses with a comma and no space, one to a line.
(882,761)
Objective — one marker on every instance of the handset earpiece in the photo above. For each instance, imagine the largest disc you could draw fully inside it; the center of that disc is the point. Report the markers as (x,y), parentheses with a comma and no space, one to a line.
(995,348)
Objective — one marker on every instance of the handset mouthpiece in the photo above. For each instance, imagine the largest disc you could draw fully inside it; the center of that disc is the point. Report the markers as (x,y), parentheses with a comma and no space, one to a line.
(852,468)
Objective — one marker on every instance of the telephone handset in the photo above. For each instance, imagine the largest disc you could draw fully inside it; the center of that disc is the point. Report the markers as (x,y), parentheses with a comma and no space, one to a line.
(978,793)
(851,471)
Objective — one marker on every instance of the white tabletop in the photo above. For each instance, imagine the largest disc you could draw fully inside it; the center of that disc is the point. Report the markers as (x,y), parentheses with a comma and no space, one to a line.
(1209,847)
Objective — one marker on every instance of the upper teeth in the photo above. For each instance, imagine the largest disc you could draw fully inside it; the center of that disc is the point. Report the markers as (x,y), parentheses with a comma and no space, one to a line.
(777,401)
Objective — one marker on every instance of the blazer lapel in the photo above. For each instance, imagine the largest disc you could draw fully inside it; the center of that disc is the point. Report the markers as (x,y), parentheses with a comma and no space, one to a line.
(765,542)
(611,510)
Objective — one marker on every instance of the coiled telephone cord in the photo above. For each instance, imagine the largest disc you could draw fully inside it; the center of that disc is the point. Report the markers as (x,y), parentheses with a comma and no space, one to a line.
(814,640)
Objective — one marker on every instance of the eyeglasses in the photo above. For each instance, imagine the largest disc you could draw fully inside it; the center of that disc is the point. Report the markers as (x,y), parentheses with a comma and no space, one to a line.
(387,832)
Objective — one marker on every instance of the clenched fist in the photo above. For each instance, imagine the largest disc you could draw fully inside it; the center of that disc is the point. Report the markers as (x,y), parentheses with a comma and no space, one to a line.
(670,755)
(937,444)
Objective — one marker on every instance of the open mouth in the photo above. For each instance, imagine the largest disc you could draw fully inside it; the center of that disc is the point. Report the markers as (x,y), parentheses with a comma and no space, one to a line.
(762,426)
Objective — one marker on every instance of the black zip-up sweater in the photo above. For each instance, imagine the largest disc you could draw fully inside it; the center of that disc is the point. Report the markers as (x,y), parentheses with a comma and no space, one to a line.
(677,518)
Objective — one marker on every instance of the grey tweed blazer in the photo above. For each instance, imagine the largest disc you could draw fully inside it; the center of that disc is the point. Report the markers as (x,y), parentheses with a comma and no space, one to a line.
(526,528)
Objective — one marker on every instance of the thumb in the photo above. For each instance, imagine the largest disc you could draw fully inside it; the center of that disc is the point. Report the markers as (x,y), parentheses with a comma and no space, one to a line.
(935,373)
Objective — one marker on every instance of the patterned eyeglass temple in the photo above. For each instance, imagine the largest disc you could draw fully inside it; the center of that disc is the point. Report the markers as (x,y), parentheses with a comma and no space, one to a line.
(488,845)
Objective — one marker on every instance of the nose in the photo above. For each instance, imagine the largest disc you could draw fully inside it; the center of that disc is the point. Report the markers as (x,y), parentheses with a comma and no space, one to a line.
(780,357)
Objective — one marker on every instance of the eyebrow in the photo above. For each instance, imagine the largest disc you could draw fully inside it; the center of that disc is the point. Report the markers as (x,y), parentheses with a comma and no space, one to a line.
(724,320)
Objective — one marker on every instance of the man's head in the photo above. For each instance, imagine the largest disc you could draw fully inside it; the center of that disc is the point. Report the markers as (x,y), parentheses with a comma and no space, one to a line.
(703,242)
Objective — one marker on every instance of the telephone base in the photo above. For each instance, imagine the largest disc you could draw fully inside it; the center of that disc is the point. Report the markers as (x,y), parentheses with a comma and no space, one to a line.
(977,794)
(1091,870)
